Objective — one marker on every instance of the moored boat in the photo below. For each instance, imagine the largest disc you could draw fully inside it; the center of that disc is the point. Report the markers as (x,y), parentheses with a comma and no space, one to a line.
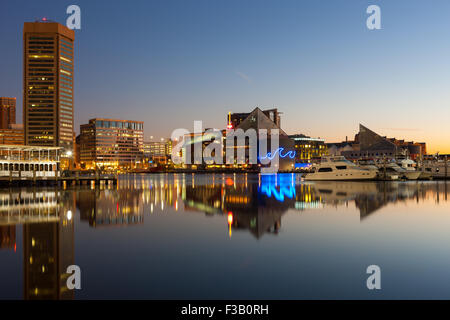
(381,174)
(438,169)
(394,168)
(339,168)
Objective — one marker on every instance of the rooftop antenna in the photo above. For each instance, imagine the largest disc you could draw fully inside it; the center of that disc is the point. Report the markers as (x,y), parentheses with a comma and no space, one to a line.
(229,125)
(43,19)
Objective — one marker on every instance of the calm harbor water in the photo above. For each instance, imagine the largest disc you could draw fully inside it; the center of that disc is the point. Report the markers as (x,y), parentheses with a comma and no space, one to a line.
(225,236)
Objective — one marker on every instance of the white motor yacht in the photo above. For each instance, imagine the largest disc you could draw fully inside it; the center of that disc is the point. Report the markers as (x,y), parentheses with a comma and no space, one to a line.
(411,165)
(407,164)
(439,169)
(393,168)
(370,165)
(339,168)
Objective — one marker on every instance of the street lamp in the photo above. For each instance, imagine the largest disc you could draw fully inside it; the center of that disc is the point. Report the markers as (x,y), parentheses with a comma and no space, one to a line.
(69,158)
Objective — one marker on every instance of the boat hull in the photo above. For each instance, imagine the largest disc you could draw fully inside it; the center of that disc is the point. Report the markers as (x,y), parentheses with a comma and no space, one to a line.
(387,177)
(411,175)
(425,175)
(336,176)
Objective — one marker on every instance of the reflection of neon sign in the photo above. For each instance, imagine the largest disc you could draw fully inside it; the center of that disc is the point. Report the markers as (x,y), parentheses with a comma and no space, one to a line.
(286,187)
(303,165)
(270,156)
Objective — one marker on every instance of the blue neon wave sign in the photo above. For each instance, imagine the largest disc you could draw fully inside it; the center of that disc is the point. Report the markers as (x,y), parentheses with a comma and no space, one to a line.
(270,156)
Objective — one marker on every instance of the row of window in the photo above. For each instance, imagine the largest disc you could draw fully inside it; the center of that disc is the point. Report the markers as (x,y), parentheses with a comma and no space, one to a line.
(371,154)
(119,124)
(41,38)
(27,167)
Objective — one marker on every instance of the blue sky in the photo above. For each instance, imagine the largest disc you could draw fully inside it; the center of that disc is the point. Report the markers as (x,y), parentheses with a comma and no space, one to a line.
(172,62)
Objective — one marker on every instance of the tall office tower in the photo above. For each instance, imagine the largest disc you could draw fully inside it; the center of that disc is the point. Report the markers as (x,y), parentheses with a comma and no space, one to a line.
(7,112)
(48,85)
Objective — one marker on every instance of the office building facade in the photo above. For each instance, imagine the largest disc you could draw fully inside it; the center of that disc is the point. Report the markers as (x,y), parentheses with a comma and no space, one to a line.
(111,143)
(7,112)
(13,135)
(307,149)
(157,152)
(48,64)
(10,132)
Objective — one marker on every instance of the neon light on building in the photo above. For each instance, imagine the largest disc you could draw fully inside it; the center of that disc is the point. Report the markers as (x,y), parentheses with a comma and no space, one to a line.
(270,156)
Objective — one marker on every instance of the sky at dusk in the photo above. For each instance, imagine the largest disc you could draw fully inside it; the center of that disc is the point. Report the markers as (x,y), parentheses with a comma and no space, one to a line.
(169,63)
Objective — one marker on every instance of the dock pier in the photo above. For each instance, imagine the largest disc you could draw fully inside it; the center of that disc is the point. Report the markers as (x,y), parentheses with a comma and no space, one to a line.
(58,180)
(40,166)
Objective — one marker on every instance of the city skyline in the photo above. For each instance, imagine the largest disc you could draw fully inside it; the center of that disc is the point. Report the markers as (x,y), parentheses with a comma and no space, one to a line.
(224,158)
(322,68)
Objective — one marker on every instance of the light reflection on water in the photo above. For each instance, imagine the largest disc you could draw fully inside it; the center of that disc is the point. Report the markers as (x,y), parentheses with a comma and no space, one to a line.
(226,236)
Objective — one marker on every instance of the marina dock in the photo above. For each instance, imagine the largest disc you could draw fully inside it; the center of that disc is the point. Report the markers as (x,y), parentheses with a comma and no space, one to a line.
(57,180)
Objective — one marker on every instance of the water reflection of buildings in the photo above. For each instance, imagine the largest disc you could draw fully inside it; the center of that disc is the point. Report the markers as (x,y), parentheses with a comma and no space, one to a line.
(125,205)
(257,203)
(251,202)
(48,251)
(110,207)
(248,207)
(369,197)
(254,205)
(7,237)
(48,244)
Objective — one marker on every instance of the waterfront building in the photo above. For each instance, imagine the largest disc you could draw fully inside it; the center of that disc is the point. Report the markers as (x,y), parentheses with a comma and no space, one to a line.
(111,143)
(268,120)
(235,119)
(307,149)
(154,148)
(337,148)
(256,120)
(157,152)
(13,135)
(29,161)
(7,112)
(168,148)
(10,132)
(199,141)
(76,155)
(368,144)
(48,68)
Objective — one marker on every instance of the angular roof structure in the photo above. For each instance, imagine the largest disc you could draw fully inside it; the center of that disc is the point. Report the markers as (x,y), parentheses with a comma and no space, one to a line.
(369,140)
(258,120)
